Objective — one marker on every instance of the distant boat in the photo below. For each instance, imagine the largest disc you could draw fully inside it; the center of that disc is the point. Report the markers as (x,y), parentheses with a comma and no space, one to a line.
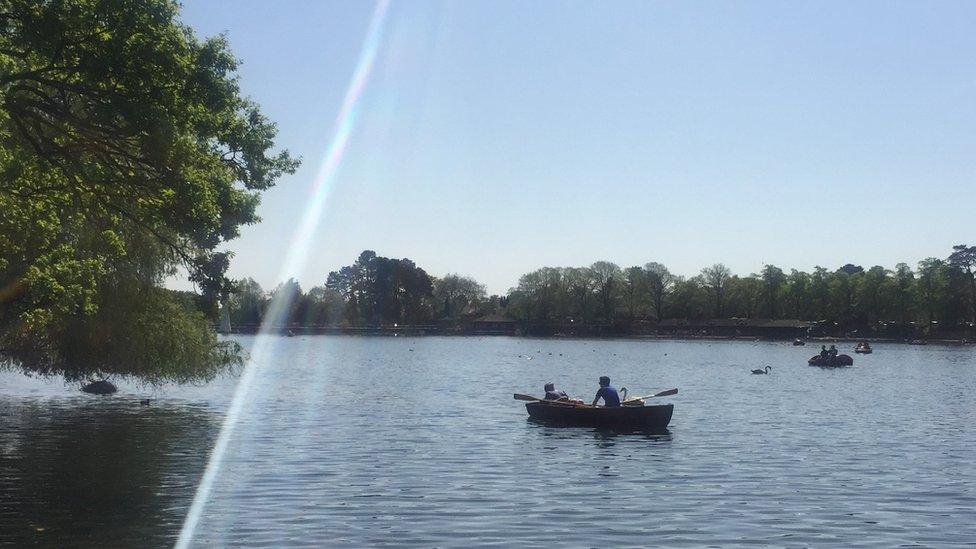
(102,387)
(635,418)
(799,342)
(863,348)
(831,362)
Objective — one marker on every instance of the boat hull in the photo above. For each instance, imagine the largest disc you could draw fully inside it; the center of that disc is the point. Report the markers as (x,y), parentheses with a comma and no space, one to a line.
(645,418)
(863,351)
(834,362)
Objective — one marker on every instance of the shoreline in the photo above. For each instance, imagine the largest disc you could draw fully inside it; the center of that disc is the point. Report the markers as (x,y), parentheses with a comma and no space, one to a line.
(417,332)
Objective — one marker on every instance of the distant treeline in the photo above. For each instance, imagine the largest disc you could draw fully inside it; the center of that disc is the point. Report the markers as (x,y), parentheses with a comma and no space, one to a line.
(376,290)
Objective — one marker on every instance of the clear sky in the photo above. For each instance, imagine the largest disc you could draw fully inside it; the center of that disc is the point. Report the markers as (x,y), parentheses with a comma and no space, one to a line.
(498,137)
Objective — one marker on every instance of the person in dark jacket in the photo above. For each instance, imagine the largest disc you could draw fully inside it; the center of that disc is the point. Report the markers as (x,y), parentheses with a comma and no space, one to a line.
(607,393)
(553,394)
(823,351)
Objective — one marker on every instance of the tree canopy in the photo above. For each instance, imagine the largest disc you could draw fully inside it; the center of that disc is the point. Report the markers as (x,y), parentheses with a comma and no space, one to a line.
(126,151)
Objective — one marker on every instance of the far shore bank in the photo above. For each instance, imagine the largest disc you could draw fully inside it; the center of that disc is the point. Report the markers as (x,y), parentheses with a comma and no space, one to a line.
(422,331)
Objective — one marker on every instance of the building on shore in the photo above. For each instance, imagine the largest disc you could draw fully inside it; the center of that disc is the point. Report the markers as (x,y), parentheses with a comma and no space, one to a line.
(493,324)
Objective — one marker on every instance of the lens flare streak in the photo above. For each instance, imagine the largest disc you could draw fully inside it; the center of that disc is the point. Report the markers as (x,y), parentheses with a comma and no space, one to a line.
(295,259)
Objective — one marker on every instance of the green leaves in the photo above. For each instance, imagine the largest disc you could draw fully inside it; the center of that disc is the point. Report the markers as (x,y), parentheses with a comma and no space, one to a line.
(126,150)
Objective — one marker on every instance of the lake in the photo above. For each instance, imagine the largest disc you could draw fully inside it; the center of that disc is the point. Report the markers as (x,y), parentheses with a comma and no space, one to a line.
(352,441)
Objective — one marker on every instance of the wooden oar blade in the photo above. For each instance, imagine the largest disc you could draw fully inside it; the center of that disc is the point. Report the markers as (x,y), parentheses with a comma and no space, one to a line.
(524,397)
(669,392)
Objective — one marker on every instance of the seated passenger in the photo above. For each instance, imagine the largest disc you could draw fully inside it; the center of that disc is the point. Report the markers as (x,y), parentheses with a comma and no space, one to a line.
(607,393)
(823,351)
(833,351)
(553,394)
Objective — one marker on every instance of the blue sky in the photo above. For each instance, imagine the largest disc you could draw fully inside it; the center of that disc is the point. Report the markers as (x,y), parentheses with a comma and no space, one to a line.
(498,137)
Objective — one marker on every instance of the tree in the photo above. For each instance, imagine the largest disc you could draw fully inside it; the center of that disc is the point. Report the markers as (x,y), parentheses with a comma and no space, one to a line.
(902,295)
(963,258)
(126,151)
(246,303)
(820,292)
(455,293)
(381,290)
(660,283)
(798,293)
(773,279)
(742,296)
(851,269)
(870,294)
(715,278)
(289,294)
(635,290)
(931,287)
(540,293)
(689,299)
(841,289)
(607,278)
(325,307)
(579,285)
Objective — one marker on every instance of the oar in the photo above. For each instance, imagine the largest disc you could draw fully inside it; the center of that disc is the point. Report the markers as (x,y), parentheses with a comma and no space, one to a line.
(661,394)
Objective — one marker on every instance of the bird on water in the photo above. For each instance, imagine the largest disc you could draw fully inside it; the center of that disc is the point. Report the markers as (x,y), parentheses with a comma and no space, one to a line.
(763,371)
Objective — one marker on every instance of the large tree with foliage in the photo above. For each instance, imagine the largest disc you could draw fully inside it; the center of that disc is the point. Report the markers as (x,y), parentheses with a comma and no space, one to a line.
(381,290)
(454,293)
(607,282)
(126,151)
(660,282)
(963,258)
(773,279)
(716,278)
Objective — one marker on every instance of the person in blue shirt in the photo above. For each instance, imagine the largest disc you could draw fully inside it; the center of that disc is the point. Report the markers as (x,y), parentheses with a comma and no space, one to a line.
(607,393)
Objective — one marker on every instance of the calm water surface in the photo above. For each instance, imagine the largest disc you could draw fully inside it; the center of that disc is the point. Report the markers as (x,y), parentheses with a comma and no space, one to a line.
(417,442)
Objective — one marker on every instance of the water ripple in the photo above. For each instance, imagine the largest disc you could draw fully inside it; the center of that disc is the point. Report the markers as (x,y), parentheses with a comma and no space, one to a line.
(358,441)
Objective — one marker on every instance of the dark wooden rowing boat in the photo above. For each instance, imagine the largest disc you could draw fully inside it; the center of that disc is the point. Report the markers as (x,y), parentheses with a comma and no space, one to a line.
(642,418)
(831,362)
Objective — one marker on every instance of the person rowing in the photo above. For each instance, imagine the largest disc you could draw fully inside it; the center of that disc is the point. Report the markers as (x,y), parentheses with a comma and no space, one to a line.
(609,395)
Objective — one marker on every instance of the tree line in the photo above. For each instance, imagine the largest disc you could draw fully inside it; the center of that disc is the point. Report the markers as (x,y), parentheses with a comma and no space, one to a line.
(937,290)
(375,290)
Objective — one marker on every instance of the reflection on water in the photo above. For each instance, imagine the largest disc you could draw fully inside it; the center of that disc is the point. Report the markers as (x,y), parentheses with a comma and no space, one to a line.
(417,442)
(604,437)
(80,471)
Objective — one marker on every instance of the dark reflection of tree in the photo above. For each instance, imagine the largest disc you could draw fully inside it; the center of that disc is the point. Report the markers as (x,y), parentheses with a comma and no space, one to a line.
(111,473)
(604,437)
